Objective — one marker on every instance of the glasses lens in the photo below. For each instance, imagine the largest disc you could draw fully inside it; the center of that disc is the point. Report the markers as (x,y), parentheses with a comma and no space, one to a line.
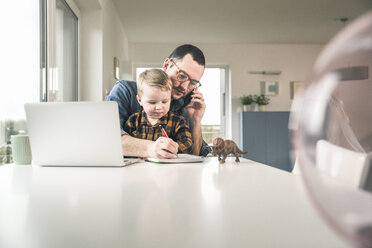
(193,83)
(198,84)
(182,76)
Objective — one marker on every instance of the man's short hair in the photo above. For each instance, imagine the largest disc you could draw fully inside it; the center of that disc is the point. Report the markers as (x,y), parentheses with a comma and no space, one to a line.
(195,52)
(154,78)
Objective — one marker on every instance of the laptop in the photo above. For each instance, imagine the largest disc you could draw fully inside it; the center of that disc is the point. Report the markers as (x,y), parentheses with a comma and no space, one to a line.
(75,134)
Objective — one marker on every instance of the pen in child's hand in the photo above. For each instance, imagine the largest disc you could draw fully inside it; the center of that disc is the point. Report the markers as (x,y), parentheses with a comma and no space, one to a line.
(163,132)
(165,135)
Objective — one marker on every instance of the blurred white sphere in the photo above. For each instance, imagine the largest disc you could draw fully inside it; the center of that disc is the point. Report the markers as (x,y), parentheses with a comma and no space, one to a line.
(336,107)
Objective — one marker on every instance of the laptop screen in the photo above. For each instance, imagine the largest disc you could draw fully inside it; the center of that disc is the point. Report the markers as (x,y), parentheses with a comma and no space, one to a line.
(74,133)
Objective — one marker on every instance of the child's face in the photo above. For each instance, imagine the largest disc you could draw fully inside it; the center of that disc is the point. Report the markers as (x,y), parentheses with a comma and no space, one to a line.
(155,102)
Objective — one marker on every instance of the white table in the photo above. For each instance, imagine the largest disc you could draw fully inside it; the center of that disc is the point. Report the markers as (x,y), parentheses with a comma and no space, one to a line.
(147,205)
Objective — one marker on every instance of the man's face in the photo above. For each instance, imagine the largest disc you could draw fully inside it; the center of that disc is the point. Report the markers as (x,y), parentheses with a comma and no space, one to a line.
(189,66)
(155,102)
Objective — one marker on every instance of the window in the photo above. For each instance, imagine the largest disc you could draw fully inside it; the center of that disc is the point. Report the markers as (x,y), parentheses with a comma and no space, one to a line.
(213,89)
(36,58)
(20,68)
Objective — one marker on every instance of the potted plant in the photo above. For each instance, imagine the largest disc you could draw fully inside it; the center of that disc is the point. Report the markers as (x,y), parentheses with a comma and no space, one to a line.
(262,101)
(247,102)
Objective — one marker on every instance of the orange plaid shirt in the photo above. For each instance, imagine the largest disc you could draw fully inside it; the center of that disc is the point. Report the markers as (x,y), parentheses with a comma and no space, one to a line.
(175,126)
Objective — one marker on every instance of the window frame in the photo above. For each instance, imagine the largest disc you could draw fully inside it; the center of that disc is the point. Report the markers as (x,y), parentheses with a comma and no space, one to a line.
(48,47)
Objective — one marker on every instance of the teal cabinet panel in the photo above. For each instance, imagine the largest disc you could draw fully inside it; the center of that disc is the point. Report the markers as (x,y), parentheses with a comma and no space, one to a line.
(253,136)
(265,136)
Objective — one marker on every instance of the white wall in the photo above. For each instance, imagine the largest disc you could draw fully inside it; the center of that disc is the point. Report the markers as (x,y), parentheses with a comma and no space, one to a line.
(295,62)
(115,44)
(90,86)
(102,39)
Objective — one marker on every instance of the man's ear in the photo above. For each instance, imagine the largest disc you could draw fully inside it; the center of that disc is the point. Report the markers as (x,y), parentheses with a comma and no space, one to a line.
(139,100)
(166,64)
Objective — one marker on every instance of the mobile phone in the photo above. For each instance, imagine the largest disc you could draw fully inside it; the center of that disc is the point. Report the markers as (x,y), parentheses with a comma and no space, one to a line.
(187,99)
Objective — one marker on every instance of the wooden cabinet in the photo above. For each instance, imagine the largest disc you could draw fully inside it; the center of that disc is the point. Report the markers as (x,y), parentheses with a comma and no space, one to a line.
(265,136)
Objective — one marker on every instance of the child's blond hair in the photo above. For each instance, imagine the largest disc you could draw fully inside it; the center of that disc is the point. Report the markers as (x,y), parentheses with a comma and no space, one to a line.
(154,78)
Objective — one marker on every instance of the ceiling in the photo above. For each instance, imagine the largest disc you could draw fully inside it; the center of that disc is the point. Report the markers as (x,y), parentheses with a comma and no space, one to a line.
(236,21)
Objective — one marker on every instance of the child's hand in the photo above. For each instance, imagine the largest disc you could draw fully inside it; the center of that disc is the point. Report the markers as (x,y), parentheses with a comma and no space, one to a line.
(164,148)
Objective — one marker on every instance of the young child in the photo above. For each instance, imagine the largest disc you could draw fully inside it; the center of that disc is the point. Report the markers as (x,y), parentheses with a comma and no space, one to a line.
(154,89)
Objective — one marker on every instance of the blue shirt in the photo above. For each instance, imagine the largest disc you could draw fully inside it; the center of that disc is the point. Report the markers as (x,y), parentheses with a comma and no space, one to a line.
(124,93)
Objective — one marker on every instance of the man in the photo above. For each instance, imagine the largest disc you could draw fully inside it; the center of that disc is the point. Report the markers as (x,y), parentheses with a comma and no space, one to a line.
(185,66)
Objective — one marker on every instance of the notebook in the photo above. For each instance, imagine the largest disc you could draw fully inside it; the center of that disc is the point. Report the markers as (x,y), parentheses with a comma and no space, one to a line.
(180,158)
(75,134)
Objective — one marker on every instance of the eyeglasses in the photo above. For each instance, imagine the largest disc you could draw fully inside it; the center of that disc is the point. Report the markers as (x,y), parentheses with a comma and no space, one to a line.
(182,76)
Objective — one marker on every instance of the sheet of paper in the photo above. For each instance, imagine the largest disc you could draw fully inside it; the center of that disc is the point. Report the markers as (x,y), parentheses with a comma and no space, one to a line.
(182,158)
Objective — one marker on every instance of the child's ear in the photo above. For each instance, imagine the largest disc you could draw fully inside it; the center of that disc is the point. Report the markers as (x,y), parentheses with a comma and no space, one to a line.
(139,100)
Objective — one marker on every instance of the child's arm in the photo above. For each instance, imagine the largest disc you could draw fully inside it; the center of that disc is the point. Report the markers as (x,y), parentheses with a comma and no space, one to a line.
(183,136)
(130,126)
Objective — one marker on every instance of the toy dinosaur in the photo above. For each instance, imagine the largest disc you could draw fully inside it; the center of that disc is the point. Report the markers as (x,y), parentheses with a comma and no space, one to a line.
(224,148)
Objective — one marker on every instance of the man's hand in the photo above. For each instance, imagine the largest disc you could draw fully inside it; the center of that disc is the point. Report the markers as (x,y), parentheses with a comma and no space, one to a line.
(163,148)
(196,110)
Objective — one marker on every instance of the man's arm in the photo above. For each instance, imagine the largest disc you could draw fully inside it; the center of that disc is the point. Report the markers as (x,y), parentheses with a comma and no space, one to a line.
(124,94)
(195,112)
(135,147)
(161,148)
(197,137)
